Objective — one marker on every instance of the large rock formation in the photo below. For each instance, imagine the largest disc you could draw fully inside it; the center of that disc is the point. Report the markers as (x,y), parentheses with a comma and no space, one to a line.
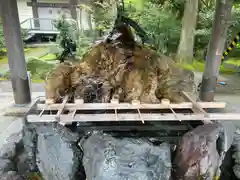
(52,150)
(128,72)
(199,153)
(9,158)
(236,155)
(56,152)
(109,158)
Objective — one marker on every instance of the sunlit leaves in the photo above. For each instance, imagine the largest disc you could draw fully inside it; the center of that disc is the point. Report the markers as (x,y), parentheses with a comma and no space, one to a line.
(138,4)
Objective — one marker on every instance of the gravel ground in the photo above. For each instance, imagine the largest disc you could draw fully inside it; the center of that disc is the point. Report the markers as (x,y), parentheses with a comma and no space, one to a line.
(229,93)
(6,86)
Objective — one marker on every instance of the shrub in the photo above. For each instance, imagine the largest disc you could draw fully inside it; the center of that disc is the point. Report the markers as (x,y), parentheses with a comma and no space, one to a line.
(38,68)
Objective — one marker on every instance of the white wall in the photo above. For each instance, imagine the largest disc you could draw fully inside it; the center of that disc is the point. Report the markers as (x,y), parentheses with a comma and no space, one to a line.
(84,15)
(24,11)
(53,1)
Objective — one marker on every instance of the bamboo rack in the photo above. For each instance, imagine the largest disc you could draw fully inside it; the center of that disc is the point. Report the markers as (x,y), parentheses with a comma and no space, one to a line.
(67,113)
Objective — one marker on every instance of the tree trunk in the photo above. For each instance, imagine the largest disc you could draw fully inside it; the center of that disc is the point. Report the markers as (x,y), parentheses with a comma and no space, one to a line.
(80,20)
(185,48)
(89,20)
(215,49)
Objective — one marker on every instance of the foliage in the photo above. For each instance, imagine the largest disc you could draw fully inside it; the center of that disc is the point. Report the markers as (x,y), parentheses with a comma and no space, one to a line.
(67,29)
(84,44)
(24,33)
(234,22)
(161,19)
(104,16)
(56,50)
(38,68)
(160,24)
(68,35)
(2,42)
(204,27)
(208,4)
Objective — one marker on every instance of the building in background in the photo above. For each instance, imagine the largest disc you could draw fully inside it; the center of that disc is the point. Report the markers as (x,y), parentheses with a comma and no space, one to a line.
(37,15)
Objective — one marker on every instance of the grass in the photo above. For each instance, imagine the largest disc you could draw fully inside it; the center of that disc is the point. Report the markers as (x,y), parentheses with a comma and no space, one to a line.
(28,52)
(49,57)
(33,80)
(3,60)
(38,69)
(37,80)
(198,66)
(233,61)
(25,49)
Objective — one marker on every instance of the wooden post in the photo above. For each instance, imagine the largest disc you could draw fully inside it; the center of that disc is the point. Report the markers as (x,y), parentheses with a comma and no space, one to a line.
(73,10)
(35,14)
(15,52)
(215,49)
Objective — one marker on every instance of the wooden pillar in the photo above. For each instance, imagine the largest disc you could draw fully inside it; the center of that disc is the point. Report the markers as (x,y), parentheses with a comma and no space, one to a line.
(35,14)
(73,9)
(15,52)
(215,49)
(80,19)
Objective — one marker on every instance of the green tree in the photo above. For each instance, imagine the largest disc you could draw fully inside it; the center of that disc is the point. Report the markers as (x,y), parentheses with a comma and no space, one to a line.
(158,21)
(104,14)
(161,19)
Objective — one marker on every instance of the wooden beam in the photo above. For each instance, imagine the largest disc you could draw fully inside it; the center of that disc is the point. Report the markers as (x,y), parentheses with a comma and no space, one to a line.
(73,6)
(109,106)
(196,107)
(57,5)
(145,127)
(66,119)
(62,108)
(35,14)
